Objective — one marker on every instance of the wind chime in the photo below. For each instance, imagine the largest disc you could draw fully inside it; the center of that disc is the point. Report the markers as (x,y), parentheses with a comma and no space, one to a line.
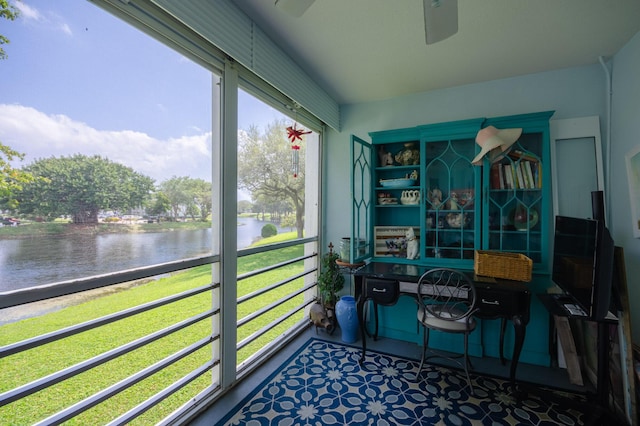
(293,134)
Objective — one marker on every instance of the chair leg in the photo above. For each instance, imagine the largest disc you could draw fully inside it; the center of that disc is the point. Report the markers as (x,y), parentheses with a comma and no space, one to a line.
(466,361)
(425,342)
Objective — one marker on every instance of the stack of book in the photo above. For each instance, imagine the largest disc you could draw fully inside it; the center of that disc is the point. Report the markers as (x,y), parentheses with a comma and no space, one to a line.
(522,172)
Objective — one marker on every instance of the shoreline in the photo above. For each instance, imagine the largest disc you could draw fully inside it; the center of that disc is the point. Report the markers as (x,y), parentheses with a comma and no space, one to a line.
(39,230)
(43,307)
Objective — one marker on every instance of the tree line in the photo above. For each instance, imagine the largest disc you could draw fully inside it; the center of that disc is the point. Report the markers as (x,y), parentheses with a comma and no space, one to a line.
(81,186)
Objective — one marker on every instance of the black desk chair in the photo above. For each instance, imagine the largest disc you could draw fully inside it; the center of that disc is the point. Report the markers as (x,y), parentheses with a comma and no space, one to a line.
(446,302)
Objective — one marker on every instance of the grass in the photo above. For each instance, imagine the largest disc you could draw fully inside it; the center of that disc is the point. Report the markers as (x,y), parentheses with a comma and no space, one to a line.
(18,369)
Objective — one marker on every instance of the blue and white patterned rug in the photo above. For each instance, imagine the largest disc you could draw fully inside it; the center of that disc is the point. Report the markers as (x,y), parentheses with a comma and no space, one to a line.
(323,384)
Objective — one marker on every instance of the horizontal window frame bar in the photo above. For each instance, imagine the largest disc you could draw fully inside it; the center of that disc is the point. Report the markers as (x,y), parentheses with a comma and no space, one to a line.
(256,314)
(98,322)
(267,289)
(275,246)
(258,358)
(272,324)
(12,298)
(276,266)
(122,385)
(61,375)
(164,394)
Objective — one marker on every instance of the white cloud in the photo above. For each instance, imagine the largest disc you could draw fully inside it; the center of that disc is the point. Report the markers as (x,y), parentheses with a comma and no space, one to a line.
(27,12)
(39,135)
(48,19)
(64,27)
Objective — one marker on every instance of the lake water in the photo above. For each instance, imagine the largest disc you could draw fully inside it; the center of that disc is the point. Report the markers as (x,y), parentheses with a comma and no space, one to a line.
(36,261)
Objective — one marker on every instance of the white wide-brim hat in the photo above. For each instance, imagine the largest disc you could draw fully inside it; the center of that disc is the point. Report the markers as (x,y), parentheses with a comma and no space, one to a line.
(491,139)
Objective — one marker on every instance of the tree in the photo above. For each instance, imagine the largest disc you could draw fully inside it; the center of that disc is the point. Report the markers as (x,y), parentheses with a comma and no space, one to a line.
(7,11)
(288,222)
(265,169)
(201,194)
(175,190)
(188,196)
(244,206)
(81,186)
(11,179)
(159,205)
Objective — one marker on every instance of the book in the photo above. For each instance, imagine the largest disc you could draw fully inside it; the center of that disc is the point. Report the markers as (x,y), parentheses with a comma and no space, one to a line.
(521,155)
(537,176)
(520,180)
(532,181)
(525,177)
(524,184)
(501,176)
(508,173)
(495,176)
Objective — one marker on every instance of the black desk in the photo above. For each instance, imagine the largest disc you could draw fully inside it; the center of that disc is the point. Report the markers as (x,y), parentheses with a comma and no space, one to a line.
(507,300)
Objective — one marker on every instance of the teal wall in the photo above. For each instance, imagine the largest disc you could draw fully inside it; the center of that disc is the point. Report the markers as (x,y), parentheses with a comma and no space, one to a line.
(625,136)
(573,92)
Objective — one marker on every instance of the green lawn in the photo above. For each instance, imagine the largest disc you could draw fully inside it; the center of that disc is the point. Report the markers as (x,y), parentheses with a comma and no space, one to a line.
(25,367)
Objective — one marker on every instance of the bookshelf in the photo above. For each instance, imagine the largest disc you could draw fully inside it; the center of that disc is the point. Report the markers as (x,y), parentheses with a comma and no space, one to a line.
(422,178)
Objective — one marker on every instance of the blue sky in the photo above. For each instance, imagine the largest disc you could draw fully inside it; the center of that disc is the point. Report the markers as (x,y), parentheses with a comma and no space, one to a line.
(79,80)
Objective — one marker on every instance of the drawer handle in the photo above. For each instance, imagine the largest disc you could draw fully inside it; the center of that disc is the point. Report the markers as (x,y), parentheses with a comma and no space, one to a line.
(379,290)
(490,302)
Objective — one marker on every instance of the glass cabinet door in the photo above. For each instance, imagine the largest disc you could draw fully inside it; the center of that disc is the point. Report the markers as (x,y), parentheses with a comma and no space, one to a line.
(518,204)
(515,199)
(452,213)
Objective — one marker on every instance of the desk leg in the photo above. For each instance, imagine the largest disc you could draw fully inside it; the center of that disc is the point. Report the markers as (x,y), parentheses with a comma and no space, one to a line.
(520,329)
(503,328)
(375,309)
(363,334)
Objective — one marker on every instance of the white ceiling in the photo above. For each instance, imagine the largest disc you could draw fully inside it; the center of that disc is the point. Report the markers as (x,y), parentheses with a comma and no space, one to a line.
(365,50)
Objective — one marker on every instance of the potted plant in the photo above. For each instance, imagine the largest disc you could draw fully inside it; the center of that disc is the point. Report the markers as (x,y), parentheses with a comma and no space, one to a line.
(330,280)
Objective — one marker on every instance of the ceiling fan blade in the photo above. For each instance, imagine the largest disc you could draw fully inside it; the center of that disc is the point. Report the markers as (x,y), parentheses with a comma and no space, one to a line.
(440,19)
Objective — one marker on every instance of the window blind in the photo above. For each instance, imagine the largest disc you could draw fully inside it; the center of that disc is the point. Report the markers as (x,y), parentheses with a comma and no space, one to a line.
(223,24)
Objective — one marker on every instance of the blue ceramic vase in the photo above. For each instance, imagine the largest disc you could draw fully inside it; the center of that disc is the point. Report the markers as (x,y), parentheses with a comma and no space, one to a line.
(347,318)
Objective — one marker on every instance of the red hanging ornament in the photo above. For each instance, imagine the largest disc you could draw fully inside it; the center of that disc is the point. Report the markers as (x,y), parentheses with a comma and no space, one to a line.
(294,133)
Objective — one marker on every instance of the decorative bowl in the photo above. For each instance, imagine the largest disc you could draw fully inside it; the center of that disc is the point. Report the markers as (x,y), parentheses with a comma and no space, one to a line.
(397,183)
(518,218)
(389,200)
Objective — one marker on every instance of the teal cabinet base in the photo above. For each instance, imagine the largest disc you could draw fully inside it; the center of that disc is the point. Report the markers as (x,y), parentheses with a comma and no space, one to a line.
(400,322)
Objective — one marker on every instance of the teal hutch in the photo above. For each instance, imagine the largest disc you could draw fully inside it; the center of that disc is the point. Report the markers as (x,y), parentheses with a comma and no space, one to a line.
(422,179)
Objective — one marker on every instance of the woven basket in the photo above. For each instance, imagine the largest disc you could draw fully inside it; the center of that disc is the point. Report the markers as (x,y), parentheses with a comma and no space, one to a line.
(497,264)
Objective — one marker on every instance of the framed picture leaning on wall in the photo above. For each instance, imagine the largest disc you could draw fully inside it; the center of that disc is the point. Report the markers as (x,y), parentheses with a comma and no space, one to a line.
(633,175)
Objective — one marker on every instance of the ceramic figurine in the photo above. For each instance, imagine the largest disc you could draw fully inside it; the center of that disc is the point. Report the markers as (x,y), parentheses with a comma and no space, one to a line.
(435,197)
(318,317)
(386,158)
(410,196)
(453,202)
(410,155)
(412,244)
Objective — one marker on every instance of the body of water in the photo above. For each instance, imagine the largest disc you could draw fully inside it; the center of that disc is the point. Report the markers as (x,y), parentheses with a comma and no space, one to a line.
(36,261)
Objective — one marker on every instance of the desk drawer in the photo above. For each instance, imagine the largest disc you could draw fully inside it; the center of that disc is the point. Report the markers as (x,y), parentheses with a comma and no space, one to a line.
(383,292)
(494,302)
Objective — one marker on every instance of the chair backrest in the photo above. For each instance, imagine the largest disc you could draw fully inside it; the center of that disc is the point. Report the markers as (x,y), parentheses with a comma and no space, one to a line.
(447,294)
